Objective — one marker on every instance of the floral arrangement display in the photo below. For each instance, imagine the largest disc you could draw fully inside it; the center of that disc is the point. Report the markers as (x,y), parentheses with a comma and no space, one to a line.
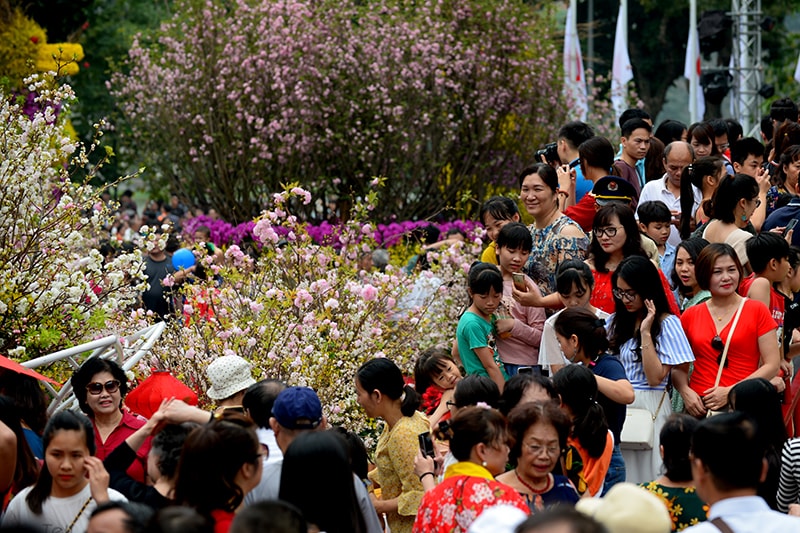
(55,287)
(305,313)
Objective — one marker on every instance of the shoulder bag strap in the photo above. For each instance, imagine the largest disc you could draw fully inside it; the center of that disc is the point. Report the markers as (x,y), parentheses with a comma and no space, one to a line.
(77,516)
(728,342)
(721,525)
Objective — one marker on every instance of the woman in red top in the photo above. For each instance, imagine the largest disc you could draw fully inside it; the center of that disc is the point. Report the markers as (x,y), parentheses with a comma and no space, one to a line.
(100,385)
(753,351)
(220,463)
(616,236)
(479,440)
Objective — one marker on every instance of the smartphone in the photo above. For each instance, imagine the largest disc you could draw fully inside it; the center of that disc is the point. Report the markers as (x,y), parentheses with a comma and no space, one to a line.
(426,444)
(519,280)
(525,370)
(790,226)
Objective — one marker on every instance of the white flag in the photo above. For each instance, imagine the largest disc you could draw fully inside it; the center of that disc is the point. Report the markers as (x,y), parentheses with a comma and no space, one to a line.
(574,75)
(691,71)
(797,71)
(621,71)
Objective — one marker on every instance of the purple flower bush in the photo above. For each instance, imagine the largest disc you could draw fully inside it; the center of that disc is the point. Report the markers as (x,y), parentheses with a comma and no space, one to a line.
(384,235)
(447,100)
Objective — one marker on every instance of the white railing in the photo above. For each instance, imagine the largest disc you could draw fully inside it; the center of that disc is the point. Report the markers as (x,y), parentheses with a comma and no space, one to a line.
(127,351)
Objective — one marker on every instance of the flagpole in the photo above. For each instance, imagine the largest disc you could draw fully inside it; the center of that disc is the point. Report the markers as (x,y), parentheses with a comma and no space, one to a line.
(693,80)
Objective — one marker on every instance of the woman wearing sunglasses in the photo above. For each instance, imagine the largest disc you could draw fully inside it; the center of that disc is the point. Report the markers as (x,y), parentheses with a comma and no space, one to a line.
(650,341)
(100,386)
(753,351)
(615,236)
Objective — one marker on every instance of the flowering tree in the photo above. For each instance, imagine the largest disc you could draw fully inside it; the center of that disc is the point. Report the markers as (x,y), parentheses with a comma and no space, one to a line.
(231,99)
(55,287)
(306,314)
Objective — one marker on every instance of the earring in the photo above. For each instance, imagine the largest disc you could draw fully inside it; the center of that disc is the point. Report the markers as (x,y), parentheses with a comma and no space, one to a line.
(744,217)
(483,464)
(574,353)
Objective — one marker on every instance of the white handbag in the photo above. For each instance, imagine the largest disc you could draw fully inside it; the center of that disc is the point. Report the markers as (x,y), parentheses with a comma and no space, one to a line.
(638,431)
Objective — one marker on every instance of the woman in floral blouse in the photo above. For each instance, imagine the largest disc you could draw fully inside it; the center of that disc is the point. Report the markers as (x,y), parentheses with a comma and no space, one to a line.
(479,440)
(382,392)
(675,487)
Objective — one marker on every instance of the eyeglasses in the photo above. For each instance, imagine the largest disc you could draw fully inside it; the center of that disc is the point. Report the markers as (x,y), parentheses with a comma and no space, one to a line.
(758,202)
(96,388)
(610,231)
(449,404)
(718,345)
(628,295)
(536,450)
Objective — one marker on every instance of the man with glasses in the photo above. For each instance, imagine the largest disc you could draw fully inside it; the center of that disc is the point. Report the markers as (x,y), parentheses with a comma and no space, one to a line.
(677,156)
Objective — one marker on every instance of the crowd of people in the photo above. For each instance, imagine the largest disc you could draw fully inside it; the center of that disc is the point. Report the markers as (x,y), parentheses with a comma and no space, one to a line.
(621,367)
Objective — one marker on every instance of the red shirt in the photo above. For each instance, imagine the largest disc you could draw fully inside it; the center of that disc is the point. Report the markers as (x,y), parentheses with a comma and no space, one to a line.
(603,299)
(743,355)
(583,212)
(222,520)
(777,303)
(127,427)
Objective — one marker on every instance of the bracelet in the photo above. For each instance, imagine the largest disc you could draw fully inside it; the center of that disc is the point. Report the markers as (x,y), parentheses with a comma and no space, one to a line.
(426,474)
(643,346)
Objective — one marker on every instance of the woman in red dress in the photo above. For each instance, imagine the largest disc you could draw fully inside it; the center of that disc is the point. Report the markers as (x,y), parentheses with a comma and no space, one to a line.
(753,351)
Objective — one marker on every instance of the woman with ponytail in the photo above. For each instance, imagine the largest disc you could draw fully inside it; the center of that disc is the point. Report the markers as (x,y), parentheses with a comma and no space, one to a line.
(582,337)
(590,444)
(702,175)
(382,392)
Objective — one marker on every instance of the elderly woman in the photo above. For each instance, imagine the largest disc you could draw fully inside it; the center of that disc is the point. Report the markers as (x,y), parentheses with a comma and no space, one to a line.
(100,386)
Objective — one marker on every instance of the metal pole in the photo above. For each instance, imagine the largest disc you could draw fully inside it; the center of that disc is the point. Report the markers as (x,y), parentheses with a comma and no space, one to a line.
(693,80)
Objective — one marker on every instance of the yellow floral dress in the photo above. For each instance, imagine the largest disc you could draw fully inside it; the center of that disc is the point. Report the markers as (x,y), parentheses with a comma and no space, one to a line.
(684,505)
(394,472)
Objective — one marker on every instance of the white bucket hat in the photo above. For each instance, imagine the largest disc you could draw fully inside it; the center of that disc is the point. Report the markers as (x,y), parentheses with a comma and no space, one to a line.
(228,375)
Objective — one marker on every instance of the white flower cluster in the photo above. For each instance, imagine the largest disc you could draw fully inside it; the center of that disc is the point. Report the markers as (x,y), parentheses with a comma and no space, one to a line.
(54,285)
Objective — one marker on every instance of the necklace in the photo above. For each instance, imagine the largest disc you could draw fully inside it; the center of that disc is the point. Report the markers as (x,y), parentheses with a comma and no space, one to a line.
(719,314)
(533,490)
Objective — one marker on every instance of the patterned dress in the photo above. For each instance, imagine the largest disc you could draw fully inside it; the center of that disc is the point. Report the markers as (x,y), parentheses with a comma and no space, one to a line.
(467,490)
(684,505)
(394,459)
(550,249)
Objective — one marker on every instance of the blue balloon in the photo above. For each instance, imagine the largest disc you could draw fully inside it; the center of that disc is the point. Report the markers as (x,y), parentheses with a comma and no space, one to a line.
(183,259)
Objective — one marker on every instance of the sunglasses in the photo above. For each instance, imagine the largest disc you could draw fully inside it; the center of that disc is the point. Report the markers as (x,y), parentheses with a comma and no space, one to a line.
(97,388)
(718,345)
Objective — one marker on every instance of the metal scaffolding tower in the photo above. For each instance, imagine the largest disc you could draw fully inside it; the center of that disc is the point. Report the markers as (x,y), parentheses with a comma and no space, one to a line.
(748,70)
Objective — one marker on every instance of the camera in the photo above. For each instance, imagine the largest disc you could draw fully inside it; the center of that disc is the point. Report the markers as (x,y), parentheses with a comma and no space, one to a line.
(550,153)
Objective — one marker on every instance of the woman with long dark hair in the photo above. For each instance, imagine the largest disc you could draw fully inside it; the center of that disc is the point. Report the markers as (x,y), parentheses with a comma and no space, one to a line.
(22,469)
(220,463)
(71,483)
(650,341)
(382,392)
(306,457)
